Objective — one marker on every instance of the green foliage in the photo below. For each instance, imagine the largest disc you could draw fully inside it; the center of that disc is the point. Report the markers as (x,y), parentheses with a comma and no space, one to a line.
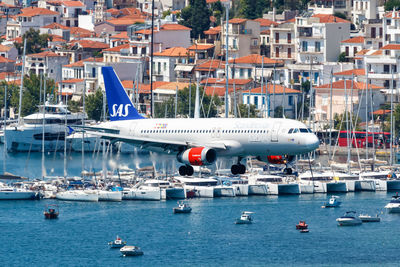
(390,4)
(197,17)
(252,9)
(339,122)
(217,11)
(396,120)
(97,54)
(305,86)
(34,42)
(94,105)
(166,13)
(340,15)
(167,108)
(74,106)
(244,111)
(342,57)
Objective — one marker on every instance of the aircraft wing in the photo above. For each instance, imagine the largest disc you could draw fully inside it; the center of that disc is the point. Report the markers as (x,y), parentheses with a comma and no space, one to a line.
(144,142)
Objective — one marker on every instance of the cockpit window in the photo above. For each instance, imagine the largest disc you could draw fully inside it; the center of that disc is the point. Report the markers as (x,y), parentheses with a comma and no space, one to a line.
(303,130)
(309,130)
(290,131)
(296,130)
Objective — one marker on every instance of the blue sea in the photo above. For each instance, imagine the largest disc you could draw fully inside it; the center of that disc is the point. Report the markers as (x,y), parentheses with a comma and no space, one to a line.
(206,237)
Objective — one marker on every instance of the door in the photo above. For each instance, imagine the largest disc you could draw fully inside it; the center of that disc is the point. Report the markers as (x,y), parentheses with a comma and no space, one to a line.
(275,132)
(289,52)
(276,51)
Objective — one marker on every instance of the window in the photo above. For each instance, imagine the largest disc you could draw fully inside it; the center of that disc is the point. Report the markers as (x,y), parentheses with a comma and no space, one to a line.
(241,73)
(249,73)
(248,99)
(289,52)
(386,69)
(354,51)
(304,46)
(347,51)
(276,51)
(277,37)
(290,100)
(159,67)
(165,66)
(289,38)
(317,47)
(234,44)
(373,32)
(256,101)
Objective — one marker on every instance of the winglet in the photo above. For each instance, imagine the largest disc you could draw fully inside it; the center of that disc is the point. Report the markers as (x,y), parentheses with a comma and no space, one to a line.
(119,105)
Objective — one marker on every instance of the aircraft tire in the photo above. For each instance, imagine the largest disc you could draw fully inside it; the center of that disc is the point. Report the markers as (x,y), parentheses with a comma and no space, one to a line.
(189,170)
(242,169)
(235,169)
(182,170)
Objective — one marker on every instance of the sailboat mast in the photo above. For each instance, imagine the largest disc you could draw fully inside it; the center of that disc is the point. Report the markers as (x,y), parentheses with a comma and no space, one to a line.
(347,126)
(262,87)
(366,118)
(65,136)
(22,84)
(43,124)
(330,116)
(83,124)
(391,121)
(5,124)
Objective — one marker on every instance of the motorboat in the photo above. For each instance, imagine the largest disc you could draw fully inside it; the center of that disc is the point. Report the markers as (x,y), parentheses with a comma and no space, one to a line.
(304,231)
(50,119)
(276,184)
(202,187)
(117,243)
(131,251)
(78,195)
(301,225)
(51,211)
(245,218)
(141,193)
(14,193)
(168,190)
(107,195)
(369,218)
(394,205)
(332,203)
(349,219)
(182,208)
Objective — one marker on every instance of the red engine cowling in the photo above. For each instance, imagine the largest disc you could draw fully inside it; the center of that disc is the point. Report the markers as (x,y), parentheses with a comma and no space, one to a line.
(277,159)
(198,156)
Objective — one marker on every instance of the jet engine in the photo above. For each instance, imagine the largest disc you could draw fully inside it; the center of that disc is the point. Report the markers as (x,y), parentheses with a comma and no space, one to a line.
(276,159)
(198,156)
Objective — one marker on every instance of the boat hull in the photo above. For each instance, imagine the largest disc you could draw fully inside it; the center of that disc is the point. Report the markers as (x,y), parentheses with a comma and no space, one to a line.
(288,189)
(17,195)
(141,194)
(201,191)
(258,189)
(110,195)
(224,191)
(78,196)
(349,222)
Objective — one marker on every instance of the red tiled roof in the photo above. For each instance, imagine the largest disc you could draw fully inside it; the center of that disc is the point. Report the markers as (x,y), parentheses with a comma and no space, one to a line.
(213,31)
(390,15)
(80,32)
(266,22)
(223,81)
(80,63)
(73,3)
(325,18)
(216,90)
(174,27)
(254,59)
(201,47)
(72,81)
(117,48)
(44,54)
(91,44)
(265,32)
(355,72)
(121,35)
(5,60)
(377,52)
(173,52)
(36,11)
(349,84)
(125,21)
(5,48)
(391,47)
(362,52)
(55,25)
(237,21)
(211,65)
(355,40)
(279,89)
(8,75)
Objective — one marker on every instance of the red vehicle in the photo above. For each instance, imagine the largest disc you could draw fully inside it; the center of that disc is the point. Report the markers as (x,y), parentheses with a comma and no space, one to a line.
(359,139)
(301,225)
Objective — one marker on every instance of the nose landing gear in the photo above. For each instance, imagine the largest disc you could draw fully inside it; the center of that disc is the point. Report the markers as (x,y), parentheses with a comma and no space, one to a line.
(186,170)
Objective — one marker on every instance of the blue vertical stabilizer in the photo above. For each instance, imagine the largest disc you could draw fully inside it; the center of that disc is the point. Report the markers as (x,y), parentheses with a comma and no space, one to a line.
(119,105)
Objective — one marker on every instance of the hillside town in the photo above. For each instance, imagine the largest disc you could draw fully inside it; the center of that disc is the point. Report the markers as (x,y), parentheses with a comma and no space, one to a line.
(296,59)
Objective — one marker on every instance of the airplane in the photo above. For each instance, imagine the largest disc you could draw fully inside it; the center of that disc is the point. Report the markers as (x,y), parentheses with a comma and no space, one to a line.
(198,142)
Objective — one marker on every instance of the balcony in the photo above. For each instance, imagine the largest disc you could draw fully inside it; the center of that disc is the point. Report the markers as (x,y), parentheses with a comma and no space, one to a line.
(241,31)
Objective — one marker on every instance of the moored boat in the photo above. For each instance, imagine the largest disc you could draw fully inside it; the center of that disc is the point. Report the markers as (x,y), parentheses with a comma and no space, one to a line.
(246,218)
(117,243)
(182,208)
(332,203)
(369,218)
(51,211)
(394,205)
(131,251)
(78,195)
(349,219)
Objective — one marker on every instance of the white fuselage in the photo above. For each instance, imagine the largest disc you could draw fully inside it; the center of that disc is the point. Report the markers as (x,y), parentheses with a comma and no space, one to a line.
(241,137)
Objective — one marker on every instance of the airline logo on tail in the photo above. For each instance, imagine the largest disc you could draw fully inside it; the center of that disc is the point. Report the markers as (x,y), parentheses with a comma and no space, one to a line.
(119,105)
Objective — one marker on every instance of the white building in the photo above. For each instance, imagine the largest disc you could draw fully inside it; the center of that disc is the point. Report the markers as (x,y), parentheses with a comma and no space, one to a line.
(47,63)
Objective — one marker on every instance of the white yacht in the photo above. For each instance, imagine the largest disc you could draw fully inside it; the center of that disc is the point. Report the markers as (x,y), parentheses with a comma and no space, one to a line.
(140,192)
(276,184)
(202,187)
(329,181)
(13,193)
(108,195)
(28,135)
(349,219)
(168,191)
(394,205)
(78,195)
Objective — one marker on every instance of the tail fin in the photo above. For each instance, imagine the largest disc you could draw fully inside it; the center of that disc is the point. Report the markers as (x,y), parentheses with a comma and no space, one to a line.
(119,105)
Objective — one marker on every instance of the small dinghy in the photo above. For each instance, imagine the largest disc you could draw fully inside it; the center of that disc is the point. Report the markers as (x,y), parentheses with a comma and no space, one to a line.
(301,225)
(131,251)
(332,203)
(349,219)
(245,218)
(182,208)
(304,231)
(51,211)
(369,218)
(117,243)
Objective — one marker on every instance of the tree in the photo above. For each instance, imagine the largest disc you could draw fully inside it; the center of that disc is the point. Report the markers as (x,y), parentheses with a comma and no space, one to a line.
(34,42)
(390,4)
(94,105)
(342,57)
(252,9)
(396,121)
(278,112)
(217,11)
(339,122)
(197,17)
(340,15)
(244,111)
(167,108)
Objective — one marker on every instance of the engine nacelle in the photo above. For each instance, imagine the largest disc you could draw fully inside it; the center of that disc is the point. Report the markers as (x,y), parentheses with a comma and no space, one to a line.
(198,156)
(276,159)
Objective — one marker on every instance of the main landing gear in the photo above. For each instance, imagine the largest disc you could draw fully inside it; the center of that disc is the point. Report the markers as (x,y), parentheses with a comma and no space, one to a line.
(238,168)
(186,170)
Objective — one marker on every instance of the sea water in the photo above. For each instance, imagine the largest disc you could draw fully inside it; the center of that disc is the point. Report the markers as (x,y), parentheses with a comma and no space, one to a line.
(205,237)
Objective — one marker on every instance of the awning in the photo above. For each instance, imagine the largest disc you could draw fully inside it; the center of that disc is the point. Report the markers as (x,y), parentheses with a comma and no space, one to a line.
(187,68)
(76,98)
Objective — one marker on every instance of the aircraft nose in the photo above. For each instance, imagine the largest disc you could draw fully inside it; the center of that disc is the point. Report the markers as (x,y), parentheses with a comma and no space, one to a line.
(312,142)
